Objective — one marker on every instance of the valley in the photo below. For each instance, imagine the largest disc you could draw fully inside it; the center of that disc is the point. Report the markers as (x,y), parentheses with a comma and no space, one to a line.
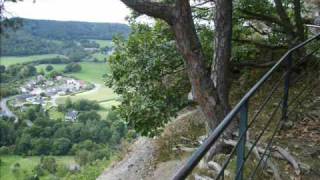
(10,60)
(58,92)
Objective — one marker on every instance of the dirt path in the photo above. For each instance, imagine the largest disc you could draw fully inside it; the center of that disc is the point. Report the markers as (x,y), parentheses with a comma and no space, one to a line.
(166,170)
(139,163)
(136,165)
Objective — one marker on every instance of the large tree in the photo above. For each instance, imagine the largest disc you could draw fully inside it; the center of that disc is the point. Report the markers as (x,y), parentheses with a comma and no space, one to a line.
(209,88)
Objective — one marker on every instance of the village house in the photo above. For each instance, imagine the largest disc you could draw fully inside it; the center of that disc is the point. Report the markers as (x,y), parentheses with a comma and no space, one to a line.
(23,90)
(40,78)
(58,78)
(37,100)
(74,167)
(71,115)
(36,91)
(41,90)
(91,49)
(20,100)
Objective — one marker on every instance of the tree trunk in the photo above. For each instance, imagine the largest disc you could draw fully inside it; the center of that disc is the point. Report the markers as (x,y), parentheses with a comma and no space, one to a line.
(222,56)
(189,45)
(298,20)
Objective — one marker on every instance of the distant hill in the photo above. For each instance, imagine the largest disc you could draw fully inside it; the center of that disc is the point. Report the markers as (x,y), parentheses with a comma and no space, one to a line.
(48,36)
(66,30)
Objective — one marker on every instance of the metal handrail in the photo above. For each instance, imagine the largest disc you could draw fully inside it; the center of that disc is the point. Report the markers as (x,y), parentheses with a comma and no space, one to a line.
(241,107)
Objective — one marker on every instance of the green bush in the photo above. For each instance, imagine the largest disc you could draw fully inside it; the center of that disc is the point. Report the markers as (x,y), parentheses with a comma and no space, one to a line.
(4,150)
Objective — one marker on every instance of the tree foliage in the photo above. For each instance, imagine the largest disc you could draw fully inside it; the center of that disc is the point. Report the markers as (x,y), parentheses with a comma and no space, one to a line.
(148,73)
(72,67)
(49,136)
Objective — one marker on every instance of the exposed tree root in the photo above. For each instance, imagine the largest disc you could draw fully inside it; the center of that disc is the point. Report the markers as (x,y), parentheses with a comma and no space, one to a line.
(270,164)
(222,145)
(278,152)
(285,154)
(217,167)
(198,177)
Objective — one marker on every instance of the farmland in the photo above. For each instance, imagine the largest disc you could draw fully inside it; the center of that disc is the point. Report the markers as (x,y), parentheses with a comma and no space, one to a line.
(9,60)
(103,43)
(27,164)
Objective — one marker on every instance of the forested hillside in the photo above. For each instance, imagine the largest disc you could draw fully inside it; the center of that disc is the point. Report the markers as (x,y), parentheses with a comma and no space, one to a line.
(52,35)
(60,30)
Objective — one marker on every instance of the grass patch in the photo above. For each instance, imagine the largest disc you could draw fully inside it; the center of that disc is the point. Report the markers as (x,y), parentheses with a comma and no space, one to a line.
(9,60)
(92,72)
(99,56)
(56,67)
(92,171)
(103,43)
(173,135)
(109,104)
(55,114)
(102,93)
(27,164)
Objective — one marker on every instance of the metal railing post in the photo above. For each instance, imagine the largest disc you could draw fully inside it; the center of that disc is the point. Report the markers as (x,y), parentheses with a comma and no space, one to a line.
(242,144)
(286,89)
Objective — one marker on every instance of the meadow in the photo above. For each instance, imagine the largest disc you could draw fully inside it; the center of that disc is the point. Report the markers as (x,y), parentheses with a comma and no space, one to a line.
(99,56)
(9,60)
(103,43)
(26,163)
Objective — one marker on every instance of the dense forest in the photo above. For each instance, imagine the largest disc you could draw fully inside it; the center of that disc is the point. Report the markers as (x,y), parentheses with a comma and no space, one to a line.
(59,30)
(47,36)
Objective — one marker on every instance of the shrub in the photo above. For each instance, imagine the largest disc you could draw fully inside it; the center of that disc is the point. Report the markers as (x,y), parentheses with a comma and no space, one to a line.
(49,68)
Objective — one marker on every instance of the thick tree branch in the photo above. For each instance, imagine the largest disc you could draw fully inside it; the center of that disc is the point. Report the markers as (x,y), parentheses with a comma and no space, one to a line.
(260,44)
(201,3)
(154,9)
(298,19)
(284,17)
(261,17)
(261,32)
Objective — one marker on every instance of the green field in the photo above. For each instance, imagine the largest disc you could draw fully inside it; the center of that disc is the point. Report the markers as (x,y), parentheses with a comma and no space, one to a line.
(99,94)
(99,56)
(109,104)
(103,43)
(57,67)
(92,72)
(9,60)
(55,114)
(27,164)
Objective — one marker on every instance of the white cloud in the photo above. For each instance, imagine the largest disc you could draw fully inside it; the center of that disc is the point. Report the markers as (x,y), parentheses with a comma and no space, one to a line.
(71,10)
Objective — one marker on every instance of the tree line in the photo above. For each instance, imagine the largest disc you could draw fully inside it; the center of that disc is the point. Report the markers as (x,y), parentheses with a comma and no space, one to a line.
(89,134)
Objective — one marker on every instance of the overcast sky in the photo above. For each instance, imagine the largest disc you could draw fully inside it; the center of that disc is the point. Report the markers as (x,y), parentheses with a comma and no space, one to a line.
(74,10)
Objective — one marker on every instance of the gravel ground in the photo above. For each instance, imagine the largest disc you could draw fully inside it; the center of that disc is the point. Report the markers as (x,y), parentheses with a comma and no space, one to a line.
(136,165)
